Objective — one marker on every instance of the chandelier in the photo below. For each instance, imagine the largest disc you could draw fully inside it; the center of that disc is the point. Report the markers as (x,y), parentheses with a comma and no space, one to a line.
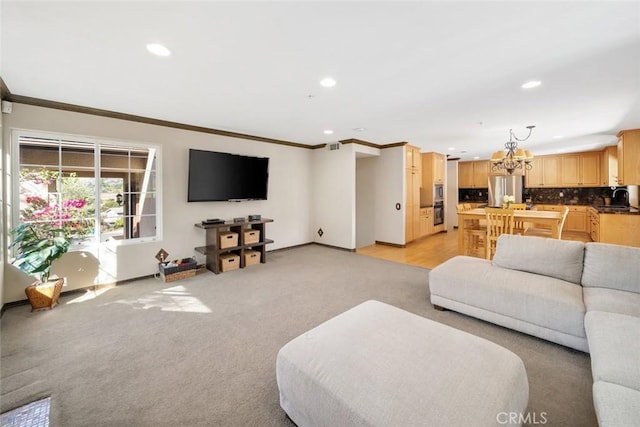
(512,157)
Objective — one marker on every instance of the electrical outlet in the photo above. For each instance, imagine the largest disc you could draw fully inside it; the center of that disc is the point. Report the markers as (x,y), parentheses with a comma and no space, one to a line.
(561,194)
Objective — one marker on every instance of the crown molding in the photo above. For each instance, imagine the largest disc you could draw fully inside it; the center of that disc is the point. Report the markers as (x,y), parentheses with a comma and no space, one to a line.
(39,102)
(372,144)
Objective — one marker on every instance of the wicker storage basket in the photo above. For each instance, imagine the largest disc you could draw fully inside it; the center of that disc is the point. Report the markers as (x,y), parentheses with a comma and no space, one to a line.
(186,269)
(44,295)
(251,258)
(251,236)
(229,262)
(228,239)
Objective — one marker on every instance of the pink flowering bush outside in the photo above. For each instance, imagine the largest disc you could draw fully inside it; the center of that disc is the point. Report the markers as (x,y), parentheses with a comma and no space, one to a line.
(69,217)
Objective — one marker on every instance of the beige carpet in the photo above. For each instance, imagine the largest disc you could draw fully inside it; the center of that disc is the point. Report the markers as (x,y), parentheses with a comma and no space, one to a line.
(201,351)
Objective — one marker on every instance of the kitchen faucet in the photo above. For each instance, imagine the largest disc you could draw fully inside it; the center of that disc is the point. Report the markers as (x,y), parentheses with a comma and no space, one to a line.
(626,197)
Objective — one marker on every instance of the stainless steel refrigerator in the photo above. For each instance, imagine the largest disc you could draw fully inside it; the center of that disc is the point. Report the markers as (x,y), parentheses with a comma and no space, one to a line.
(500,186)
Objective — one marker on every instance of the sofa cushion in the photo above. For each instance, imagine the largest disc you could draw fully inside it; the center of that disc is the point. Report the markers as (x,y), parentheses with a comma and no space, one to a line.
(612,301)
(540,300)
(549,257)
(616,405)
(612,266)
(614,347)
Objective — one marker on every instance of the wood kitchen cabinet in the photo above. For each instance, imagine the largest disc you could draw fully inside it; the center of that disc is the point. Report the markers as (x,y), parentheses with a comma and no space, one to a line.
(544,173)
(580,169)
(413,180)
(473,174)
(619,229)
(629,157)
(433,166)
(577,219)
(615,228)
(426,221)
(609,167)
(413,157)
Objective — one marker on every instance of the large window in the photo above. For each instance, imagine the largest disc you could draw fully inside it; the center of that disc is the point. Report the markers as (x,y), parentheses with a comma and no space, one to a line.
(96,191)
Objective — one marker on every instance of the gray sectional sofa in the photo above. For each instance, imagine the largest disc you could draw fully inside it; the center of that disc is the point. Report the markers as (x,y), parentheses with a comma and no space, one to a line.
(583,296)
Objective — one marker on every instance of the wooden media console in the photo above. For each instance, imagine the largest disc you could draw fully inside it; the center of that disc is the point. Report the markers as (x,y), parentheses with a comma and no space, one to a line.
(213,249)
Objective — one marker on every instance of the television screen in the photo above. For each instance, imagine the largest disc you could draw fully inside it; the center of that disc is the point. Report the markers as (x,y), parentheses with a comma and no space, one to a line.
(217,176)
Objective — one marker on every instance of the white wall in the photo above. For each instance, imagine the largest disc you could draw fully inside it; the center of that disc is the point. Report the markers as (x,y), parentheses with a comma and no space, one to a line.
(289,203)
(333,192)
(390,189)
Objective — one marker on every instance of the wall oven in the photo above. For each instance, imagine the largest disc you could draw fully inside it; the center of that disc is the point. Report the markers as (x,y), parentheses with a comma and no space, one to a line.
(438,192)
(438,213)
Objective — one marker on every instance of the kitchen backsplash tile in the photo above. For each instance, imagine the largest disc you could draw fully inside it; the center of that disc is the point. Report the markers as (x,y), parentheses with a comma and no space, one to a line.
(473,195)
(575,196)
(570,195)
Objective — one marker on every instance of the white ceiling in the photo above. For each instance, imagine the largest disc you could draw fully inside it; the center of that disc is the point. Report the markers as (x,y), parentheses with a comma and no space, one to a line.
(435,74)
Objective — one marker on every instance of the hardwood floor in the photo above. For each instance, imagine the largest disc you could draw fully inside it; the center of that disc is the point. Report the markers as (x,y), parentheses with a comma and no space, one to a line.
(431,251)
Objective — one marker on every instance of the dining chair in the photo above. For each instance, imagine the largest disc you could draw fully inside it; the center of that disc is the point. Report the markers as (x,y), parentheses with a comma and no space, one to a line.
(499,221)
(546,232)
(519,227)
(475,234)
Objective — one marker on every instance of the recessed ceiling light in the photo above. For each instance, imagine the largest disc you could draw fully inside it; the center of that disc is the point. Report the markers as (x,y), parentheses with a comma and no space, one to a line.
(327,82)
(158,49)
(452,148)
(476,157)
(359,129)
(328,132)
(558,136)
(531,84)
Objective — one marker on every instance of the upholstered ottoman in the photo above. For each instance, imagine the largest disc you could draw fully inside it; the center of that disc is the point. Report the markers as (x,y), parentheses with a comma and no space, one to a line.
(378,365)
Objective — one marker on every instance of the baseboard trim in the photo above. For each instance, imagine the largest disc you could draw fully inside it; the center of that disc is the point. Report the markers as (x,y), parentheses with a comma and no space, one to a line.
(333,247)
(394,245)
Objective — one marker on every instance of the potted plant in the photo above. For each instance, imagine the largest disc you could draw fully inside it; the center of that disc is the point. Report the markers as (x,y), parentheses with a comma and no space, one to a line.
(36,251)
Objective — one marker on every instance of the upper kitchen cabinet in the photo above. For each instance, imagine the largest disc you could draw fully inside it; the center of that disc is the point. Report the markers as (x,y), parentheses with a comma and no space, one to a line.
(473,174)
(580,169)
(629,157)
(433,167)
(544,173)
(414,159)
(609,167)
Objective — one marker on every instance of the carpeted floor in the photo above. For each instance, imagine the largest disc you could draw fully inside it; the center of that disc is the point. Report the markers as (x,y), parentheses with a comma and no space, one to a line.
(201,351)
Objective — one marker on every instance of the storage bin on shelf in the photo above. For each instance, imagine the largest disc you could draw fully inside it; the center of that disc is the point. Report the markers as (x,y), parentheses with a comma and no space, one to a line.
(229,262)
(251,257)
(251,236)
(228,239)
(171,272)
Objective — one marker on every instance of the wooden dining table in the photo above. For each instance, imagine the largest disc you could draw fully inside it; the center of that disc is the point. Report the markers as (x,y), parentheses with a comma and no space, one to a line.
(547,218)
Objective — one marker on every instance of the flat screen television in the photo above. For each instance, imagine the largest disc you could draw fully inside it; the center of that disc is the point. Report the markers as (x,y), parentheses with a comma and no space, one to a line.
(215,176)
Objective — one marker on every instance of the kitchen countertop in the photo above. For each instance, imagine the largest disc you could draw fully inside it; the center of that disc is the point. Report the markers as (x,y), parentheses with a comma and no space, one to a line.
(618,210)
(613,209)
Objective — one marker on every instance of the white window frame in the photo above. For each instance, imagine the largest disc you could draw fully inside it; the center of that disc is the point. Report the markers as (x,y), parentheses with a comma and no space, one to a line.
(15,184)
